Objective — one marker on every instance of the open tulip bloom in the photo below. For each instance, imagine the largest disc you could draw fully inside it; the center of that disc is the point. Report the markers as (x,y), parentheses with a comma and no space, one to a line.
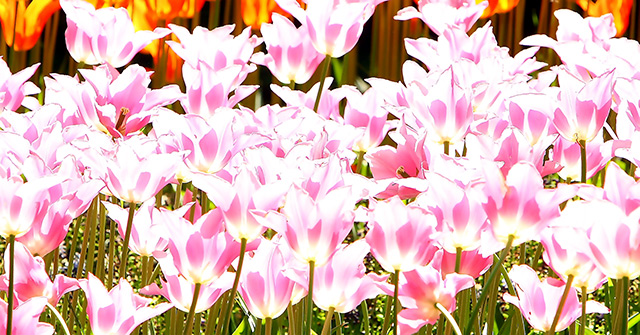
(175,176)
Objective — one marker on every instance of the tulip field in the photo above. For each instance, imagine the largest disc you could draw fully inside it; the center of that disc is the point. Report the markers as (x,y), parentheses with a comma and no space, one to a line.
(319,167)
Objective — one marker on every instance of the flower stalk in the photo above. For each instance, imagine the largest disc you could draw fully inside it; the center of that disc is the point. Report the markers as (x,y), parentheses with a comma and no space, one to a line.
(309,310)
(12,252)
(192,310)
(563,300)
(125,247)
(325,72)
(234,289)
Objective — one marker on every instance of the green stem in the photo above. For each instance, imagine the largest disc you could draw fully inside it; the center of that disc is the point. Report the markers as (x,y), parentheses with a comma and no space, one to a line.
(101,240)
(365,317)
(291,319)
(298,310)
(213,315)
(449,317)
(93,222)
(359,160)
(326,328)
(583,160)
(234,288)
(512,291)
(387,318)
(112,254)
(292,85)
(204,203)
(583,316)
(60,318)
(192,309)
(611,297)
(309,310)
(396,305)
(127,236)
(458,259)
(267,326)
(563,300)
(523,253)
(536,256)
(12,242)
(176,200)
(485,291)
(464,305)
(624,306)
(259,327)
(325,71)
(223,308)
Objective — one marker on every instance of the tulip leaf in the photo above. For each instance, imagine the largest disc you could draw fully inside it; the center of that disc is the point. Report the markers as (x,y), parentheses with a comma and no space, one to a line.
(243,328)
(587,330)
(633,320)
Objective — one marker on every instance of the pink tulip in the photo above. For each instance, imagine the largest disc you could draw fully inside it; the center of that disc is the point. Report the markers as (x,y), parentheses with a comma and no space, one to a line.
(342,283)
(408,159)
(291,56)
(584,107)
(208,89)
(334,25)
(513,147)
(136,173)
(445,110)
(23,203)
(329,100)
(566,250)
(236,201)
(217,48)
(201,251)
(472,262)
(615,241)
(313,228)
(119,311)
(31,279)
(14,88)
(420,290)
(14,151)
(179,291)
(454,45)
(531,114)
(438,14)
(628,107)
(567,154)
(539,301)
(215,66)
(401,237)
(25,318)
(105,35)
(265,283)
(459,212)
(119,104)
(210,143)
(147,235)
(586,46)
(619,188)
(518,205)
(74,198)
(366,111)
